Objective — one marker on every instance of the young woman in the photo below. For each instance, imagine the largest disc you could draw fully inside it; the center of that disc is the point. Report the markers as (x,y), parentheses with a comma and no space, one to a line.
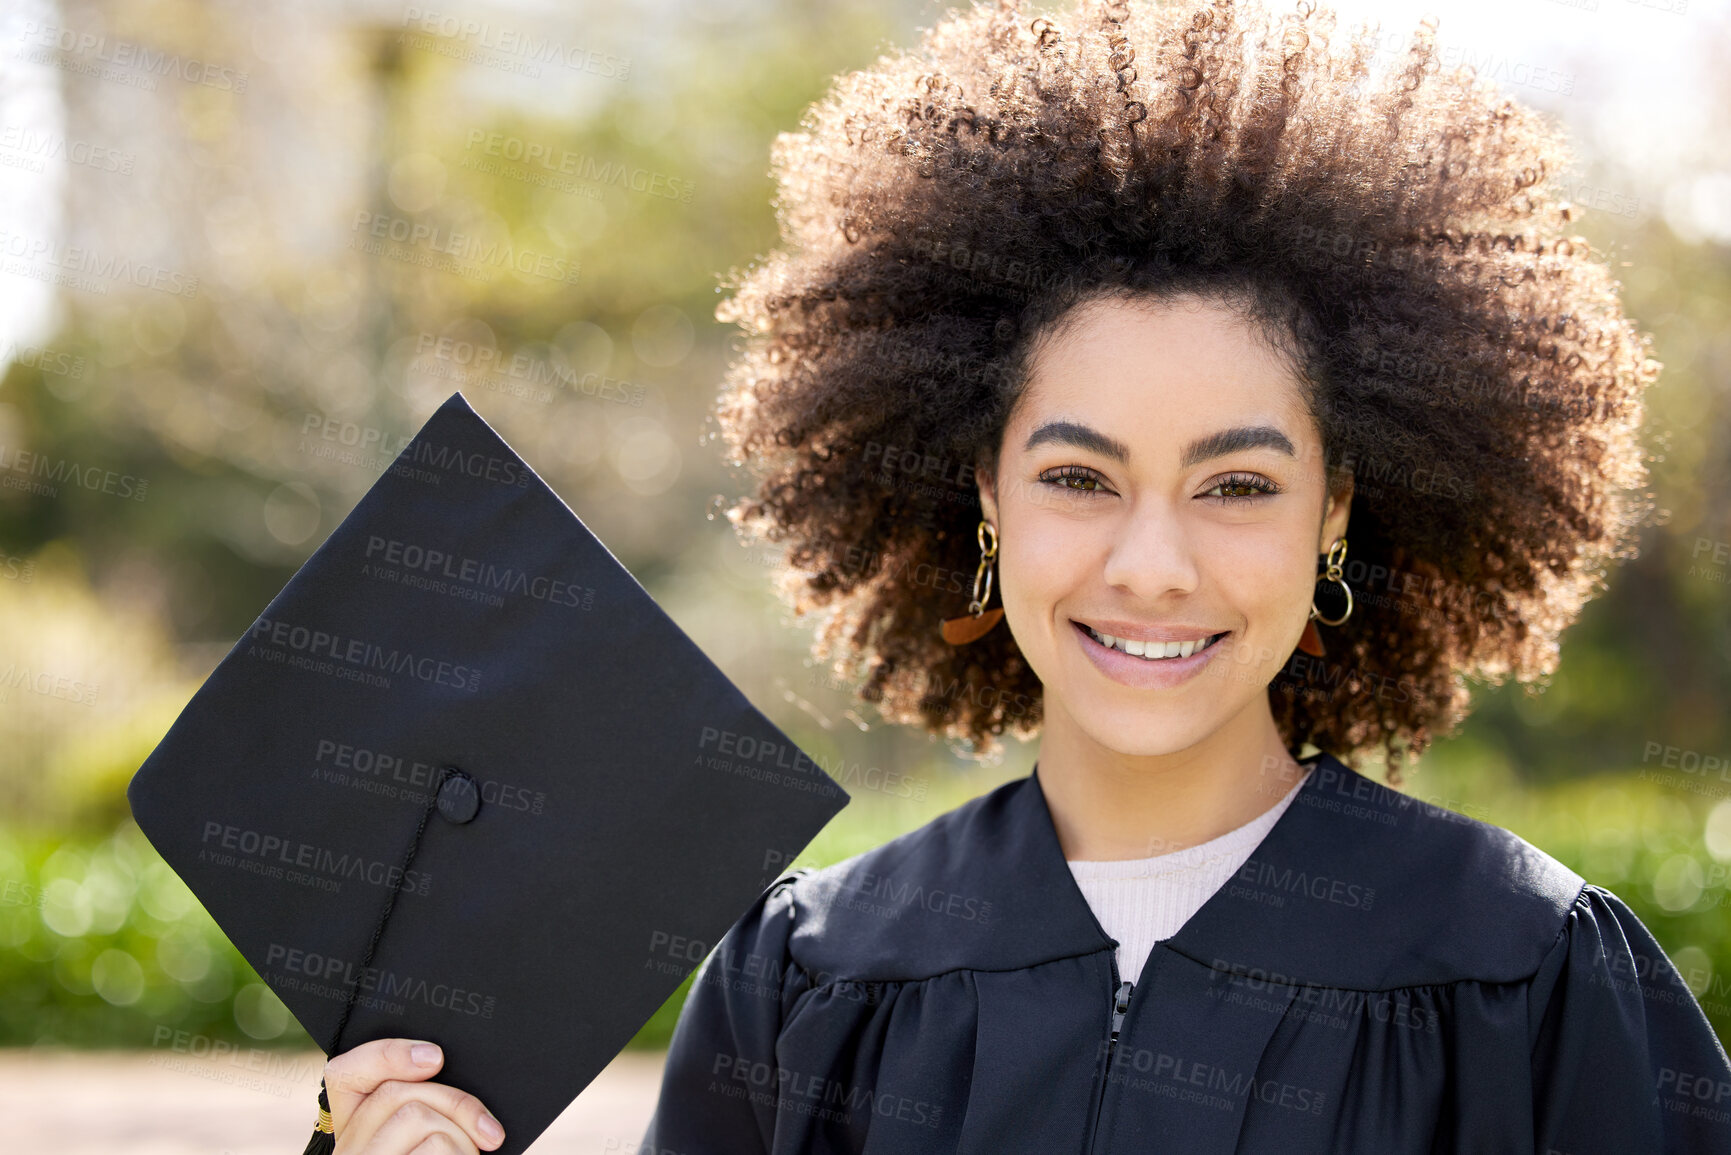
(1135,318)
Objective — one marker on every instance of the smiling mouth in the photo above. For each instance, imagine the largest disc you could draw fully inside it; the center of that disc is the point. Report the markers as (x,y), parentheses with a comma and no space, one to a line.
(1153,651)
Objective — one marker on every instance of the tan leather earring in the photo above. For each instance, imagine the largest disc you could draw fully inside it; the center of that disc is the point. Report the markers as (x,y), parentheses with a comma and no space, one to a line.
(978,621)
(1310,641)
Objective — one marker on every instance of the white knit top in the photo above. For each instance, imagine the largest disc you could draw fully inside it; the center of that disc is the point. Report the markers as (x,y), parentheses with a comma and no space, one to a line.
(1140,901)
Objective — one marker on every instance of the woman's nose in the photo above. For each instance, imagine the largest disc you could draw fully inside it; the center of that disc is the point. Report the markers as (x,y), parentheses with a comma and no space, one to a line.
(1150,553)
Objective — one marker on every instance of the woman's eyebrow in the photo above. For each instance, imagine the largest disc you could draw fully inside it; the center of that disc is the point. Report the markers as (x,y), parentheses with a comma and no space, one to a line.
(1233,441)
(1214,445)
(1080,436)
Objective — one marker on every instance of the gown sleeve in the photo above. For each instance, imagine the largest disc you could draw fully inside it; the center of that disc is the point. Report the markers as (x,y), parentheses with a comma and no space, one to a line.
(1623,1058)
(720,1085)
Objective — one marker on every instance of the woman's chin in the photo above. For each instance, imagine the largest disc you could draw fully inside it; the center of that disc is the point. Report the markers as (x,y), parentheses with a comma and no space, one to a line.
(1141,733)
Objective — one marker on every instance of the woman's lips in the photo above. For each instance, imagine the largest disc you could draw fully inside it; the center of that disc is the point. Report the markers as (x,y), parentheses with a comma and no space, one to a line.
(1131,646)
(1144,673)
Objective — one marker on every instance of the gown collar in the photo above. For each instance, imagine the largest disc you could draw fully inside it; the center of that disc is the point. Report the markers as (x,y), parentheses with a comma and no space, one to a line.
(1356,885)
(1031,809)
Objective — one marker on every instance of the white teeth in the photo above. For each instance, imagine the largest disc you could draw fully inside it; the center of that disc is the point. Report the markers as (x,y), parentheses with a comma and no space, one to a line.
(1149,651)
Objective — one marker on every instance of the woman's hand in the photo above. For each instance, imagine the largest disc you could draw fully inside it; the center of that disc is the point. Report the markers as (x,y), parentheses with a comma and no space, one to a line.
(382,1105)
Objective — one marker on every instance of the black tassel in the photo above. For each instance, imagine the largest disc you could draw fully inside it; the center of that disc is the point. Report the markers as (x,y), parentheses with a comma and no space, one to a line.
(324,1140)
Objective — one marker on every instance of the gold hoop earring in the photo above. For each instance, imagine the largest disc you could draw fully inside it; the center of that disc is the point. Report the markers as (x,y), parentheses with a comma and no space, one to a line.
(978,621)
(1310,641)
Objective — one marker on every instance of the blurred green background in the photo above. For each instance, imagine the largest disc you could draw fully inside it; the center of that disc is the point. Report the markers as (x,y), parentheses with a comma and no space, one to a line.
(240,417)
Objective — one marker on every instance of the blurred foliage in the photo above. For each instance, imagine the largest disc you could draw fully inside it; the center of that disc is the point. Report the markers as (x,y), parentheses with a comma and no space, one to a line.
(103,944)
(229,416)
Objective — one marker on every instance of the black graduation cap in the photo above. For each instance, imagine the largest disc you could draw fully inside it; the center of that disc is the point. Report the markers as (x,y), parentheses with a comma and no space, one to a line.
(464,781)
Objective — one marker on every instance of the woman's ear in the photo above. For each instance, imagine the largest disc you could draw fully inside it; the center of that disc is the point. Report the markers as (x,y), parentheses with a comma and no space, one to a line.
(987,486)
(1335,516)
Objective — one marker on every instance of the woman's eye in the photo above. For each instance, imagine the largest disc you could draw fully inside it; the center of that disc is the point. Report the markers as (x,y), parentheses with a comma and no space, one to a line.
(1075,479)
(1241,487)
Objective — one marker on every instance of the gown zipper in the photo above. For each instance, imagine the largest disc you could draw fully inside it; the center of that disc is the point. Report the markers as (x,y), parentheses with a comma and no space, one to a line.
(1120,1007)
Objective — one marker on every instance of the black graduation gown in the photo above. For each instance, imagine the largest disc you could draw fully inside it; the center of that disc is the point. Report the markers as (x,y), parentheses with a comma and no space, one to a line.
(1382,976)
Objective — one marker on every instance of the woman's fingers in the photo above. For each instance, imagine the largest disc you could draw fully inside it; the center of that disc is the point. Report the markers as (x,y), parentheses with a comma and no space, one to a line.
(440,1144)
(413,1126)
(381,1101)
(397,1115)
(353,1075)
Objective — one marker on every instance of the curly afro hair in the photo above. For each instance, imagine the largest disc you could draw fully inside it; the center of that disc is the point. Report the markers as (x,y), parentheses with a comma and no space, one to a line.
(1468,364)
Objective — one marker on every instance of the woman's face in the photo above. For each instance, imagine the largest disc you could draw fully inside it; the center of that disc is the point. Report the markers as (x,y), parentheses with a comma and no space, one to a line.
(1159,479)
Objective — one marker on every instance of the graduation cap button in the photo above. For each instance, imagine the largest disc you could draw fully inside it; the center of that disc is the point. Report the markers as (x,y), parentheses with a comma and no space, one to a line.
(459,800)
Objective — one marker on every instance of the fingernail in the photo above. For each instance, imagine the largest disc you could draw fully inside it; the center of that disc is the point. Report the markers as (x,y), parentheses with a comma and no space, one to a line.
(490,1129)
(424,1054)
